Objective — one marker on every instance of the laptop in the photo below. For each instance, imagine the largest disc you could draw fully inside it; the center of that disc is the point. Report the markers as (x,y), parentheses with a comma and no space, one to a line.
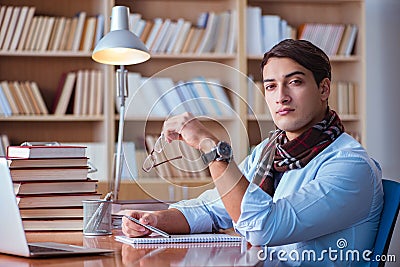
(11,228)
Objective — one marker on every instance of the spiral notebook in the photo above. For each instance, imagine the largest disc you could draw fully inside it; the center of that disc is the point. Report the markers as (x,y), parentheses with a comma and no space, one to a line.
(193,238)
(187,245)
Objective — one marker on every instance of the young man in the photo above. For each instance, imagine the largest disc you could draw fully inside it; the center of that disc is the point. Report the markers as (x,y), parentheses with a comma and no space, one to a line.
(309,187)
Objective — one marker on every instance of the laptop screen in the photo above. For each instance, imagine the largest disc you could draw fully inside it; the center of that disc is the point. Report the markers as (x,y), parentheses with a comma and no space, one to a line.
(11,227)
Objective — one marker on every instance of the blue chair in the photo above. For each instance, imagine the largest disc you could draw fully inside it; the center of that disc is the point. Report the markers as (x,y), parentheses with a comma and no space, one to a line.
(390,211)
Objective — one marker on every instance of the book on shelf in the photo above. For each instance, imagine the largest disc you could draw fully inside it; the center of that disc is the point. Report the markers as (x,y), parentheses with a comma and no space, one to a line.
(99,29)
(55,32)
(160,35)
(233,32)
(5,23)
(51,213)
(188,99)
(204,97)
(22,97)
(11,28)
(208,39)
(222,32)
(98,109)
(2,13)
(38,96)
(46,151)
(15,163)
(182,36)
(71,34)
(146,31)
(88,34)
(75,224)
(187,41)
(194,41)
(215,93)
(92,92)
(16,97)
(47,174)
(139,27)
(32,99)
(29,36)
(157,23)
(168,37)
(55,187)
(270,27)
(20,43)
(253,30)
(174,35)
(47,30)
(54,200)
(133,20)
(10,97)
(38,33)
(169,97)
(64,92)
(85,93)
(349,37)
(78,30)
(5,105)
(65,35)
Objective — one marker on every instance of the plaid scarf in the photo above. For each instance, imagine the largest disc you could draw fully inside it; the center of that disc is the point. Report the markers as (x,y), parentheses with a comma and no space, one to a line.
(281,155)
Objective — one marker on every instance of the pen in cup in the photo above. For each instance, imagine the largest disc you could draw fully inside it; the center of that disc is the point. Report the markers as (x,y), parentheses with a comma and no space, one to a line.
(148,227)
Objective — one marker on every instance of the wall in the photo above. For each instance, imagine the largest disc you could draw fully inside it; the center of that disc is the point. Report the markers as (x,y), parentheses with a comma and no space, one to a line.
(383,92)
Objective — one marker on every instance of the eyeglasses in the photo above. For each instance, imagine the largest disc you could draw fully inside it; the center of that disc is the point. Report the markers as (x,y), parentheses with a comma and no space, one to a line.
(150,161)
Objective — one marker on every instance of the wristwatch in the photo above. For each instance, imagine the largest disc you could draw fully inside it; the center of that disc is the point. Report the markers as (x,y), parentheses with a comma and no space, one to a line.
(221,152)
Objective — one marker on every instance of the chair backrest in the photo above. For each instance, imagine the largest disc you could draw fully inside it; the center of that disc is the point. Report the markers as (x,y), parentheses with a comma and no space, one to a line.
(391,190)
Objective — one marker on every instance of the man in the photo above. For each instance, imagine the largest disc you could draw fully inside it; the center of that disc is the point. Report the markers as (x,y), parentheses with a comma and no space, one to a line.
(309,187)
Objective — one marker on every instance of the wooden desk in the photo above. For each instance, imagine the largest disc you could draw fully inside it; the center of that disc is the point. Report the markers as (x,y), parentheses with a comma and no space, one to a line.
(126,255)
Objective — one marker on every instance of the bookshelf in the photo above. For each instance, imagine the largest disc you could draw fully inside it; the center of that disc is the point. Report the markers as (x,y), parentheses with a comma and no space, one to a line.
(241,129)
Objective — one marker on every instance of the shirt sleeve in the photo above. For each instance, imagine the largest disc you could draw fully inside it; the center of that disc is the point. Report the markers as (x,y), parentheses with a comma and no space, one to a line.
(204,213)
(319,207)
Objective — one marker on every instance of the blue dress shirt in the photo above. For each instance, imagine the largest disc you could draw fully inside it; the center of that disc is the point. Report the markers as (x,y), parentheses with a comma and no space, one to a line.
(327,212)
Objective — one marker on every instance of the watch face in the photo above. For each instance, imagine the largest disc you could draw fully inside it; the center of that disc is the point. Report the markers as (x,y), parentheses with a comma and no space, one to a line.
(224,150)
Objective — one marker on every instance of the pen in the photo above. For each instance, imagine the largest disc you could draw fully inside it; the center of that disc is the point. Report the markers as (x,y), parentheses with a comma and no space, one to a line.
(148,227)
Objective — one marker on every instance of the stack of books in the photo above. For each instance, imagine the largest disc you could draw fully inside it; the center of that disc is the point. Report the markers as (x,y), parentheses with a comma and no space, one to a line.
(50,183)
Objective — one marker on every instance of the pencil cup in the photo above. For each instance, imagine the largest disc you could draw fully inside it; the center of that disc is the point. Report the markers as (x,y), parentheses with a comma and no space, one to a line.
(96,217)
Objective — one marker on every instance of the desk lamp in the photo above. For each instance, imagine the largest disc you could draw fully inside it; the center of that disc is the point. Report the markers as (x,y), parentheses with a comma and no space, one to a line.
(120,47)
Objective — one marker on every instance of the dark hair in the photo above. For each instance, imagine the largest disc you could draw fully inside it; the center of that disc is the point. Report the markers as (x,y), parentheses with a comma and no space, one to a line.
(305,53)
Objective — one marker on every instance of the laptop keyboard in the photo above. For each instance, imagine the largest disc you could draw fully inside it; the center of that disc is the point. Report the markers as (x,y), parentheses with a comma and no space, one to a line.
(36,249)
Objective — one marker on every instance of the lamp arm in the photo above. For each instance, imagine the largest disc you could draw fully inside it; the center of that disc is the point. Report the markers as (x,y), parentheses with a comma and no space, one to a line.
(122,84)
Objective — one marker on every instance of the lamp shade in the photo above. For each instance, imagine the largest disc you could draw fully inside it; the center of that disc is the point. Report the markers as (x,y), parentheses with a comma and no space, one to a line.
(120,46)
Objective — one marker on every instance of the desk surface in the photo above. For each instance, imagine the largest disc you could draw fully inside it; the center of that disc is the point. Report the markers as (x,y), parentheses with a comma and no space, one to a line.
(217,254)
